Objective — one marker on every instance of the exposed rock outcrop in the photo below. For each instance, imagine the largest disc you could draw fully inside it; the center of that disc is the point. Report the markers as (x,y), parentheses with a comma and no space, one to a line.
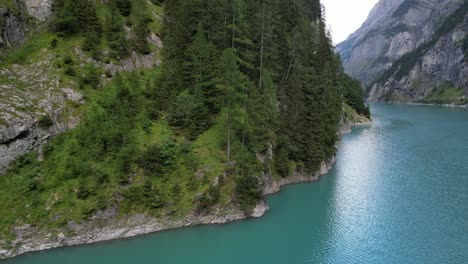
(40,9)
(16,22)
(393,28)
(34,92)
(438,74)
(32,107)
(12,28)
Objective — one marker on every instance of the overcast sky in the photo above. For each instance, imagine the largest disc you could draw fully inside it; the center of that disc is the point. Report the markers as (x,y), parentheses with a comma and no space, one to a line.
(346,16)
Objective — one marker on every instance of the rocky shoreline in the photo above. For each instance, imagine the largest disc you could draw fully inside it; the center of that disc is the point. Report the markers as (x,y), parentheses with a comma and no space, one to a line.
(107,227)
(452,105)
(30,240)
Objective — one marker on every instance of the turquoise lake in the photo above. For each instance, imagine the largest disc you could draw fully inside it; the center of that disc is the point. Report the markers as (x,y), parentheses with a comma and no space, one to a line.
(397,194)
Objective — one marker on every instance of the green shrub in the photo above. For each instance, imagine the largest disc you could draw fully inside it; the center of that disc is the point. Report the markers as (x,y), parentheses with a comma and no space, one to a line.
(53,43)
(91,78)
(282,162)
(151,161)
(45,122)
(70,71)
(248,192)
(68,60)
(124,6)
(83,192)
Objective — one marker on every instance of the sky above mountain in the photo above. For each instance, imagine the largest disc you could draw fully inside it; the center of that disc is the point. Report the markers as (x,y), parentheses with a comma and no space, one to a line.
(346,16)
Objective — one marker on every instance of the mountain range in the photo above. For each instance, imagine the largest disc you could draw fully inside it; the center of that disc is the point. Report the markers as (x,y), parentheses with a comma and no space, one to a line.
(411,51)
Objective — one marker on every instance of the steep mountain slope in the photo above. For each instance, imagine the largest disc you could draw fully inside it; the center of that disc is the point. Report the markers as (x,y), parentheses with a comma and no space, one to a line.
(39,83)
(436,72)
(27,91)
(250,96)
(18,17)
(393,29)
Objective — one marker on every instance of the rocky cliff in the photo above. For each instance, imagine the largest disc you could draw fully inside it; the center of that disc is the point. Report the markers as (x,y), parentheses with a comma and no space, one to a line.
(37,100)
(12,28)
(435,73)
(393,29)
(40,9)
(29,93)
(19,17)
(32,106)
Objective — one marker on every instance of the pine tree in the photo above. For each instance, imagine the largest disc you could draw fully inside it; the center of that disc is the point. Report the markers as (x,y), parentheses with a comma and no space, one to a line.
(116,35)
(201,71)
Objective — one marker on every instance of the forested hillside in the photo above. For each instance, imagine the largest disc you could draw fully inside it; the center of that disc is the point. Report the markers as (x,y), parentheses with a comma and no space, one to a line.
(245,89)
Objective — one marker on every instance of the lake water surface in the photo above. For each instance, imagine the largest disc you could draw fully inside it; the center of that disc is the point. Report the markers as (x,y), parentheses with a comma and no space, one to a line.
(398,194)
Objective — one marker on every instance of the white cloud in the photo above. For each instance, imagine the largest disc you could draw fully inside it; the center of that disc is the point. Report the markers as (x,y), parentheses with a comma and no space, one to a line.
(346,16)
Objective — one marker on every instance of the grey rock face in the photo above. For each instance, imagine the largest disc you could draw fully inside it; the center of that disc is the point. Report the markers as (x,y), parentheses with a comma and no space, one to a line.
(40,9)
(393,28)
(29,93)
(444,62)
(32,92)
(12,30)
(13,20)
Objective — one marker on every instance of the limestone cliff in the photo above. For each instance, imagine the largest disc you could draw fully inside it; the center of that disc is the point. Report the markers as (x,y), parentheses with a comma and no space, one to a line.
(393,29)
(40,9)
(32,106)
(19,17)
(32,101)
(435,73)
(37,100)
(12,28)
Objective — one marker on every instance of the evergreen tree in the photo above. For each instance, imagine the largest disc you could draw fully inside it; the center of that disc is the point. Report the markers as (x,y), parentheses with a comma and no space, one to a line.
(201,70)
(116,35)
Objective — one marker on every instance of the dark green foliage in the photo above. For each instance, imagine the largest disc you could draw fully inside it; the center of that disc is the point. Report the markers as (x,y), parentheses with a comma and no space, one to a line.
(208,199)
(134,194)
(152,196)
(354,95)
(124,7)
(190,114)
(282,161)
(247,88)
(45,122)
(24,161)
(116,35)
(68,60)
(168,153)
(53,43)
(156,161)
(65,20)
(92,44)
(248,192)
(83,191)
(269,67)
(79,17)
(70,71)
(141,31)
(91,78)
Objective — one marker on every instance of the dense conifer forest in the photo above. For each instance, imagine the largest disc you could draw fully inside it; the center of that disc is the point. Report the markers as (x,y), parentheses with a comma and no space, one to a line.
(246,88)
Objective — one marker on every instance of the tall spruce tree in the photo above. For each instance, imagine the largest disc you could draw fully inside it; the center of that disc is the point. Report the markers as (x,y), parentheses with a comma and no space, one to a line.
(269,69)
